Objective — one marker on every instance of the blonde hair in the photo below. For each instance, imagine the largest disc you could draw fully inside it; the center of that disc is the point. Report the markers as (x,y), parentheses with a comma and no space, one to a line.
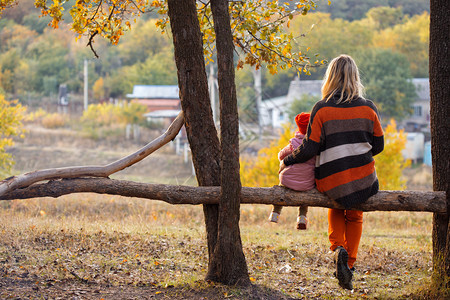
(342,77)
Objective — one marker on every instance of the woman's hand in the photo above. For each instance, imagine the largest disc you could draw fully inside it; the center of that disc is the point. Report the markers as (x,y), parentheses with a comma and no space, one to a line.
(282,166)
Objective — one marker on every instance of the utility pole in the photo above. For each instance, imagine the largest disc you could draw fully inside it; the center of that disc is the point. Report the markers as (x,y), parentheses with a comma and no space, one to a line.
(85,84)
(212,91)
(258,96)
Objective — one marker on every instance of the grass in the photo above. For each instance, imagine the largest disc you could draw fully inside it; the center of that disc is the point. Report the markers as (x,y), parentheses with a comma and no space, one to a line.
(111,243)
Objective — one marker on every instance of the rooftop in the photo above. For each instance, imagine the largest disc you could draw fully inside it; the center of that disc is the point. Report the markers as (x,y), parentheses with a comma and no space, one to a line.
(154,92)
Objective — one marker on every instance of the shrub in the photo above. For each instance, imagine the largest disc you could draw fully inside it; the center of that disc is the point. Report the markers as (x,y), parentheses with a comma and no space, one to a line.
(133,113)
(11,116)
(107,119)
(37,115)
(52,121)
(103,114)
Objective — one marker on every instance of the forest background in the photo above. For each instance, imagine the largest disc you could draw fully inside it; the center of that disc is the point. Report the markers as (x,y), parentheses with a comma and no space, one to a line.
(389,43)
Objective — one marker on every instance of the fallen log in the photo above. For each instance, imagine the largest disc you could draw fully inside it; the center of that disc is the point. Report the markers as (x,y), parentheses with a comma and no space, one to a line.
(177,194)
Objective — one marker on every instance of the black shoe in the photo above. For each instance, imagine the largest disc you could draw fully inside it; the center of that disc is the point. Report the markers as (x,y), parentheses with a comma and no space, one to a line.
(343,272)
(351,269)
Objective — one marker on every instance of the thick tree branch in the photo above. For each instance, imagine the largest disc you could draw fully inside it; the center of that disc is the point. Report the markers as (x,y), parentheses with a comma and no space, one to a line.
(28,179)
(174,194)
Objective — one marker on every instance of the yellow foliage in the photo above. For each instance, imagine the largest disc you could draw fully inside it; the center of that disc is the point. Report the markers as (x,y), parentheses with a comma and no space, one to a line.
(107,114)
(35,116)
(11,115)
(133,113)
(409,38)
(390,163)
(262,170)
(106,119)
(5,3)
(103,114)
(99,89)
(53,121)
(102,120)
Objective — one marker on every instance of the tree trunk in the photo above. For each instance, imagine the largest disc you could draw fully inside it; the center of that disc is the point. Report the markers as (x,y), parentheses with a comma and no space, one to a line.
(228,263)
(194,95)
(176,194)
(440,133)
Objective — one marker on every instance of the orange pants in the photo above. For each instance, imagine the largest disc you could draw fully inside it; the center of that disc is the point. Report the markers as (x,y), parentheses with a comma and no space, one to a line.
(345,229)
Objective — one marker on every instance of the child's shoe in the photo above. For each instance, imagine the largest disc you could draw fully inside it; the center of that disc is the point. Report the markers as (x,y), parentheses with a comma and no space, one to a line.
(274,217)
(302,222)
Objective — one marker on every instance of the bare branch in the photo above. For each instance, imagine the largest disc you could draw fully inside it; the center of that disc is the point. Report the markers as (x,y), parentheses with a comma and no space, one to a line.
(137,7)
(24,180)
(91,39)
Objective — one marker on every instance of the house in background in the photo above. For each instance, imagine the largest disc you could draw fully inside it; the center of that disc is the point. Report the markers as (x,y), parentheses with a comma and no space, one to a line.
(420,118)
(275,111)
(157,97)
(162,102)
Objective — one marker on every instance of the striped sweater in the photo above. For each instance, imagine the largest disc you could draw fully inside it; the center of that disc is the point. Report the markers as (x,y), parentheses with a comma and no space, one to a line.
(345,137)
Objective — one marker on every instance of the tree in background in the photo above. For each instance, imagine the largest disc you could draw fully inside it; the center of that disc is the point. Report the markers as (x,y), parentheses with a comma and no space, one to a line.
(351,9)
(99,89)
(133,113)
(356,9)
(330,37)
(384,17)
(278,85)
(11,116)
(304,104)
(147,41)
(390,163)
(145,47)
(410,38)
(386,77)
(158,69)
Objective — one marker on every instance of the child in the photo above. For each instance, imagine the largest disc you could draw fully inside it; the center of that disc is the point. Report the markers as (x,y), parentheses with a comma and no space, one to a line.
(299,177)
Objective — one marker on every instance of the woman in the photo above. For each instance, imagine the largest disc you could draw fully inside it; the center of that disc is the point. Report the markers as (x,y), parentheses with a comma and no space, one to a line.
(345,133)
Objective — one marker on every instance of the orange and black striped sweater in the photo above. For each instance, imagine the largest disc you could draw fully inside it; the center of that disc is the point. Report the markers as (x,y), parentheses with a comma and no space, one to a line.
(345,137)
